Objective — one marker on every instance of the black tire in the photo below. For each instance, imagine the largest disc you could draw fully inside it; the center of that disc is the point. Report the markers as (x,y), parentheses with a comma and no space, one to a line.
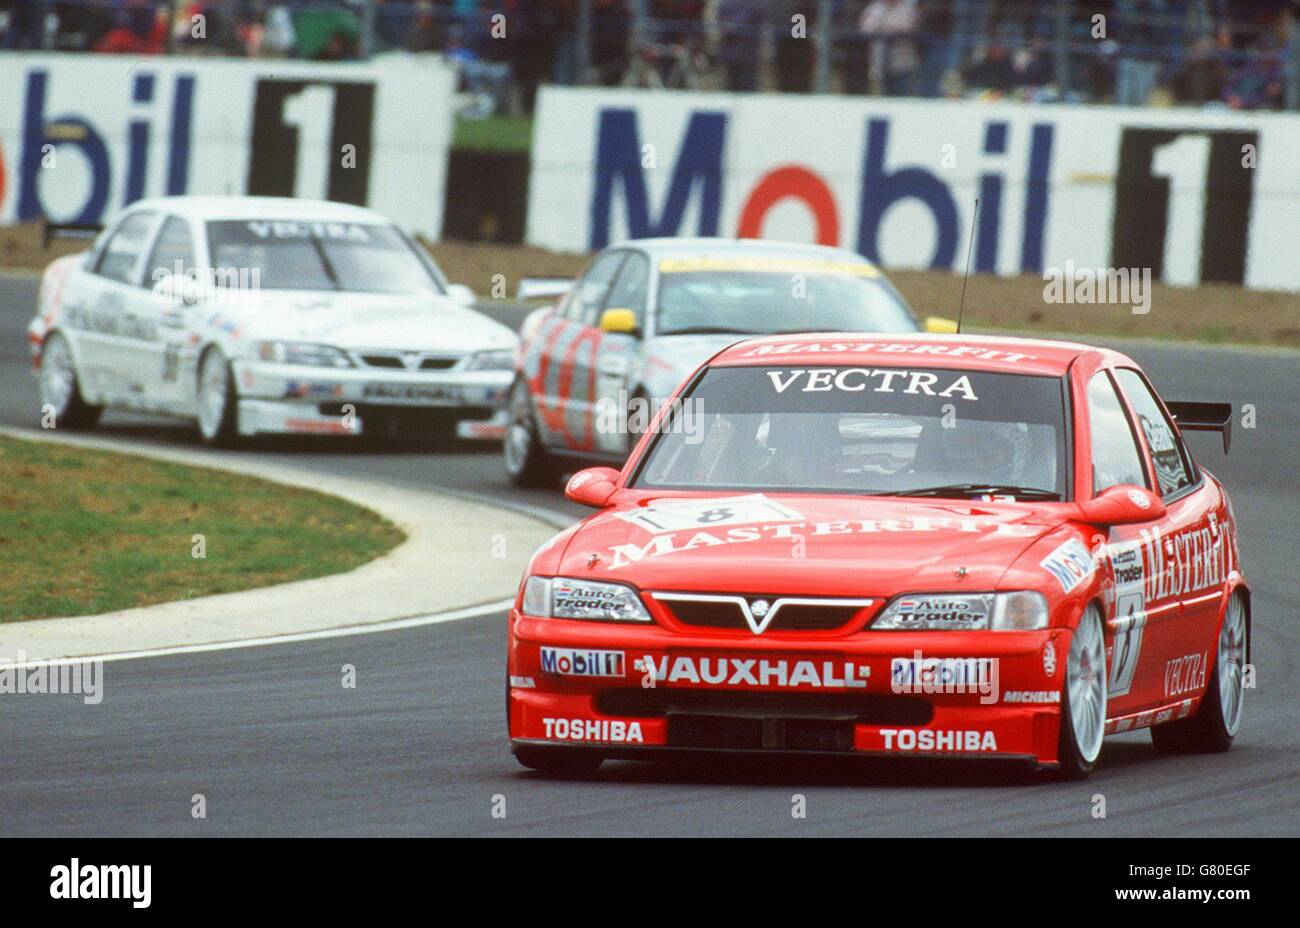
(526,461)
(226,433)
(559,762)
(1074,765)
(1207,731)
(76,412)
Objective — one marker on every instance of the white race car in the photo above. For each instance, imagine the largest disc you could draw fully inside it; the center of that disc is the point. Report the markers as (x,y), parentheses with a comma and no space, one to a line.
(266,315)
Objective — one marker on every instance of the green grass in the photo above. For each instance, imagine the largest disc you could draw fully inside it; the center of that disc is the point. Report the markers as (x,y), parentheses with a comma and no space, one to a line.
(496,133)
(84,532)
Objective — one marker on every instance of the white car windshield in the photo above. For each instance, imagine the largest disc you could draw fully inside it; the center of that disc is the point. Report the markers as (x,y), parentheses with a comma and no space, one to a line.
(288,255)
(876,431)
(797,299)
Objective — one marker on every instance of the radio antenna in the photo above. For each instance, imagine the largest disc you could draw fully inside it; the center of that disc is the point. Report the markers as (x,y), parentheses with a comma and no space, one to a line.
(970,247)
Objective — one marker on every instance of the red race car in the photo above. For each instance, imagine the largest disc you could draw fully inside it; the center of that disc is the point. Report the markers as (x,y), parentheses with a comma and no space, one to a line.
(896,545)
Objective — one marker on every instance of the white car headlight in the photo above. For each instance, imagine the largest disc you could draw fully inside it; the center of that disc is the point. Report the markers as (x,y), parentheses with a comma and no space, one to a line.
(1018,611)
(498,359)
(302,353)
(568,598)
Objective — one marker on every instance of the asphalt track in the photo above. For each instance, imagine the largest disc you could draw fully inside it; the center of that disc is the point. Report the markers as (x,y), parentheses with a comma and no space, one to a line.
(277,746)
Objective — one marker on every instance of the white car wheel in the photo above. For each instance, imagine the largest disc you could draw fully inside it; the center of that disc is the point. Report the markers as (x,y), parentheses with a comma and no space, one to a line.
(527,463)
(59,388)
(1083,700)
(1218,717)
(214,399)
(1085,675)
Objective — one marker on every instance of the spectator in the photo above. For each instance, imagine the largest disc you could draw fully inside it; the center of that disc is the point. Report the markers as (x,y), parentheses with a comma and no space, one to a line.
(26,25)
(1202,77)
(137,29)
(278,41)
(892,26)
(935,40)
(994,72)
(1146,30)
(1036,65)
(1257,82)
(794,51)
(740,23)
(610,27)
(488,82)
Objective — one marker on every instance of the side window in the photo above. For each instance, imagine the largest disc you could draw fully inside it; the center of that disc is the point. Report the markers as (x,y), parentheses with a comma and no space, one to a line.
(118,259)
(173,251)
(1115,456)
(629,290)
(589,294)
(1173,464)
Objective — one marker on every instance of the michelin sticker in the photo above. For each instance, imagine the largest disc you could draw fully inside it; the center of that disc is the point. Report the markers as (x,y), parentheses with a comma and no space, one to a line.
(1070,563)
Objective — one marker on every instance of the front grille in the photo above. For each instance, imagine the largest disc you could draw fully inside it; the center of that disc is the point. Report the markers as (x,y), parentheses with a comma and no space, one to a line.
(720,733)
(399,361)
(408,421)
(855,708)
(794,614)
(438,364)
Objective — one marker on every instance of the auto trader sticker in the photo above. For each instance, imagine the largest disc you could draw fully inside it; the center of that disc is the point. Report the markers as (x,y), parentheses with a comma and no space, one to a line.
(1130,615)
(676,515)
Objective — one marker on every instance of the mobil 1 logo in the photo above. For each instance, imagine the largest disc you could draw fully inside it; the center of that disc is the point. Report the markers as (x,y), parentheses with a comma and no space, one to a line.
(1182,204)
(300,132)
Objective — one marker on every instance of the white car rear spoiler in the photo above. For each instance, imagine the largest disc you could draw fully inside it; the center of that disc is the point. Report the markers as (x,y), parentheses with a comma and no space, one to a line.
(543,288)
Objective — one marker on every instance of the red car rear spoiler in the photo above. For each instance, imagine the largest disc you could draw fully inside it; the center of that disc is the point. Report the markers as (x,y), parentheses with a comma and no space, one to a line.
(1204,417)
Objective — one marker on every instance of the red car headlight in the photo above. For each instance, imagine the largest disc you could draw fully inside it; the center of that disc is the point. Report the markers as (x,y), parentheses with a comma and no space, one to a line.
(1017,611)
(570,598)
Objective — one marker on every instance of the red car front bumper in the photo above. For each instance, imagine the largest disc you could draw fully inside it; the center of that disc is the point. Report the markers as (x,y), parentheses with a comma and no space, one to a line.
(627,689)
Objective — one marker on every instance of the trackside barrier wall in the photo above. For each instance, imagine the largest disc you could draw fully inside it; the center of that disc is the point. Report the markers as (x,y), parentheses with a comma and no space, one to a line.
(1194,195)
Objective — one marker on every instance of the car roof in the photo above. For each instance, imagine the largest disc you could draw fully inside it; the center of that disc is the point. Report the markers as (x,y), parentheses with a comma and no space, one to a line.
(285,208)
(974,352)
(738,247)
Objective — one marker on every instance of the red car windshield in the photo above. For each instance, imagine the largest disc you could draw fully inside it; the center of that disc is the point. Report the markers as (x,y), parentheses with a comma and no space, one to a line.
(880,431)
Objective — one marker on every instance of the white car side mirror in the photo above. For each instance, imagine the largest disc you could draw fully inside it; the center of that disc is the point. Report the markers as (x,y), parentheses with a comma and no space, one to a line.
(460,294)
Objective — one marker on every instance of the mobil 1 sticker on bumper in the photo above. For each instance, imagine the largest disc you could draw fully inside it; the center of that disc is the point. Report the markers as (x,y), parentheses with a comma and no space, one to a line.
(576,662)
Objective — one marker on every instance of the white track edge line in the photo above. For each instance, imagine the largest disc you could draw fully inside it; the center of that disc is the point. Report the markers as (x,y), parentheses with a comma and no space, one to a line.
(345,631)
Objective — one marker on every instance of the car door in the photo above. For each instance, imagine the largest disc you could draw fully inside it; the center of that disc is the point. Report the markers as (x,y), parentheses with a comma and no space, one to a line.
(170,354)
(615,356)
(1140,608)
(564,397)
(1190,547)
(104,315)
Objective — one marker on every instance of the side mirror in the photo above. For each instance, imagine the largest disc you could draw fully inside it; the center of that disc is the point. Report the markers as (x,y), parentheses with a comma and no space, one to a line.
(940,326)
(619,321)
(593,486)
(460,294)
(1123,504)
